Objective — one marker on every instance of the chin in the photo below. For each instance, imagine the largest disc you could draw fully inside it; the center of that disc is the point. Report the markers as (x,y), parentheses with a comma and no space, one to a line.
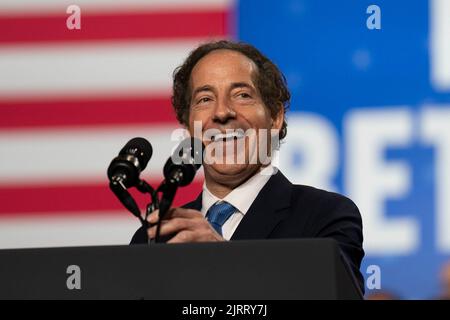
(229,169)
(230,173)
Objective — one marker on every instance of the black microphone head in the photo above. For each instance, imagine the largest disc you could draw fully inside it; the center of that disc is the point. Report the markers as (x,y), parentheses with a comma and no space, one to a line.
(140,148)
(187,159)
(132,159)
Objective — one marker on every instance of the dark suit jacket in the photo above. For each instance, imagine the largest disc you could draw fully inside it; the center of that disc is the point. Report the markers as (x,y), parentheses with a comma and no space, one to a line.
(285,210)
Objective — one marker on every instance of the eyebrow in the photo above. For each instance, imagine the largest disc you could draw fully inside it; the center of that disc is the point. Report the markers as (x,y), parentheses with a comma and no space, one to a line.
(202,89)
(234,85)
(241,85)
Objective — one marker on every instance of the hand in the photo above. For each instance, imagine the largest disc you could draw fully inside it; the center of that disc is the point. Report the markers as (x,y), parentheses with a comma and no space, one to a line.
(188,225)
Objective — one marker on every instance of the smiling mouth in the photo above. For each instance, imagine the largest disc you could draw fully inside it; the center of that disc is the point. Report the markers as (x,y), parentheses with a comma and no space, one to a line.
(227,136)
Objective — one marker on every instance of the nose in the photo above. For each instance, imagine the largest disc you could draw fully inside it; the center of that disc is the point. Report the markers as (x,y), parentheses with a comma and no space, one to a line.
(223,112)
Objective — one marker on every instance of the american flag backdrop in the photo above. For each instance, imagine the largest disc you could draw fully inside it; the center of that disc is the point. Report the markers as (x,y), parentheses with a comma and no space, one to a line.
(369,114)
(70,100)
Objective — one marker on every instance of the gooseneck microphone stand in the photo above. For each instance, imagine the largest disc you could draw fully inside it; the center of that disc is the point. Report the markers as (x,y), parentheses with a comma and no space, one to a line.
(121,192)
(168,188)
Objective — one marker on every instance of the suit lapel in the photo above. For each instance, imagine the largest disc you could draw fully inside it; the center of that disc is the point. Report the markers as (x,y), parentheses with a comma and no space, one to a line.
(196,204)
(268,209)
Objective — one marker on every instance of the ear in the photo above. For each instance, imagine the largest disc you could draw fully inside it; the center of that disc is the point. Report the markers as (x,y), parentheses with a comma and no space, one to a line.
(277,121)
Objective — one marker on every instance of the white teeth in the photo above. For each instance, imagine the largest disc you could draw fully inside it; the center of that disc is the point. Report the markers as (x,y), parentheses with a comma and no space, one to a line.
(228,136)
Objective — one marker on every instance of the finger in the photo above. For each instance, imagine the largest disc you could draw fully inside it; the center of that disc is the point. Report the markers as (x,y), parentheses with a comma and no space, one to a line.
(182,237)
(184,213)
(174,225)
(153,217)
(151,230)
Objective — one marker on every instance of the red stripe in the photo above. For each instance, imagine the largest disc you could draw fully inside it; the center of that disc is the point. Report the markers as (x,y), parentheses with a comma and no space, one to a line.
(115,26)
(83,112)
(88,198)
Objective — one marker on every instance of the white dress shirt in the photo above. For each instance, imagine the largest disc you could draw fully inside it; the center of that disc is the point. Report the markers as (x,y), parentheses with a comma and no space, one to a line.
(241,198)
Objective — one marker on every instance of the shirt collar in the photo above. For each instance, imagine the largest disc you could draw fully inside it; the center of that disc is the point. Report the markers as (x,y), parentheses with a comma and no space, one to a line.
(241,197)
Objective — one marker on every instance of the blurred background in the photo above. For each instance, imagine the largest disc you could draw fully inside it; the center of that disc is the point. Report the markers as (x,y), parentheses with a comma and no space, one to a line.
(369,117)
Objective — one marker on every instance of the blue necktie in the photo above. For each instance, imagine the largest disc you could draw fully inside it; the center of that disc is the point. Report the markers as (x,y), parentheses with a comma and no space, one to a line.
(218,214)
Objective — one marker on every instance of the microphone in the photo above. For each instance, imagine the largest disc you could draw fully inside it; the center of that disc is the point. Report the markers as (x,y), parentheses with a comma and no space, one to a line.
(179,171)
(181,167)
(131,161)
(124,171)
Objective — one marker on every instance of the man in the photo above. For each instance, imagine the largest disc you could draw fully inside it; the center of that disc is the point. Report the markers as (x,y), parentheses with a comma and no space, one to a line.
(445,281)
(227,86)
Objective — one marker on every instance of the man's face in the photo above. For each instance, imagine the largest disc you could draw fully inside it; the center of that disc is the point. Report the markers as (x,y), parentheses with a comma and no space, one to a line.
(224,98)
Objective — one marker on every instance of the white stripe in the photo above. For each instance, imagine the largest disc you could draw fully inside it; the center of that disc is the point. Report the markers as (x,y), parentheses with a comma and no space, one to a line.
(32,6)
(440,44)
(90,69)
(53,156)
(29,232)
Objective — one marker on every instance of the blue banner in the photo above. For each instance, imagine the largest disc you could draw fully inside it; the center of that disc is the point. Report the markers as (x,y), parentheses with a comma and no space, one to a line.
(370,118)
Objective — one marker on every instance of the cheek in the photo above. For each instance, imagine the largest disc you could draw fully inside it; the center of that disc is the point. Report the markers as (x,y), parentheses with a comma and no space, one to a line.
(197,119)
(259,117)
(197,115)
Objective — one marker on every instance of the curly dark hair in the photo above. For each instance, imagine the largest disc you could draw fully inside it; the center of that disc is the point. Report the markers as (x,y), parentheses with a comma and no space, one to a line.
(269,80)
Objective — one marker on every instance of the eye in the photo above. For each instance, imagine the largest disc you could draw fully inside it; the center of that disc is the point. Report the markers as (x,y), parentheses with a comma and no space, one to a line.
(244,95)
(204,100)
